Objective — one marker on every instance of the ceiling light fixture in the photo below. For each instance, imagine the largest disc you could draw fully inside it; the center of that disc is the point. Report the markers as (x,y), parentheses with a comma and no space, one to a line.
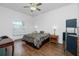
(33,8)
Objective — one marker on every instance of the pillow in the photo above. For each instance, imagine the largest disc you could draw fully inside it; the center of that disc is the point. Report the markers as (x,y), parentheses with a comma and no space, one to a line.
(41,32)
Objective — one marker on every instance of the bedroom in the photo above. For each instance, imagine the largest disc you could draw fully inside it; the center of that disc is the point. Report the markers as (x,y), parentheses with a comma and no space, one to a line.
(50,19)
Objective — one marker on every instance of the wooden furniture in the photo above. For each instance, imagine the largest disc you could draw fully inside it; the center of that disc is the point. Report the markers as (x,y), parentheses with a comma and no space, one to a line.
(70,38)
(4,43)
(54,38)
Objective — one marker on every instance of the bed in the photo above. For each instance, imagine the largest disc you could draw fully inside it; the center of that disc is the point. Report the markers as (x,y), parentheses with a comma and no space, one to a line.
(36,39)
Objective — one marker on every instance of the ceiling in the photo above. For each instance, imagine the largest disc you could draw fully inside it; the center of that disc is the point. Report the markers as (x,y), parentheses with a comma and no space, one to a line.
(45,7)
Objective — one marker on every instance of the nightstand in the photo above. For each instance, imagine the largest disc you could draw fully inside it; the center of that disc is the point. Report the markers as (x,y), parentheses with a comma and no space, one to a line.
(54,38)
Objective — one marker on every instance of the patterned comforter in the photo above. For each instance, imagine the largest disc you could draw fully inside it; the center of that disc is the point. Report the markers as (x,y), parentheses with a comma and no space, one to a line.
(36,38)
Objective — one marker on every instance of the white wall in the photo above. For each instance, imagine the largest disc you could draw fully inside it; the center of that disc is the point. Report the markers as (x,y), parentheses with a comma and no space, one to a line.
(44,21)
(58,17)
(6,18)
(78,22)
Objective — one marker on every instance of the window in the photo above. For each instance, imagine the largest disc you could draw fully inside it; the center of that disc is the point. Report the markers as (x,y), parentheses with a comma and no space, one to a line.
(18,28)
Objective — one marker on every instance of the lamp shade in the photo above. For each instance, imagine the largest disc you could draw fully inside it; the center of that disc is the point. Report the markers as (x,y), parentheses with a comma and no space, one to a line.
(54,27)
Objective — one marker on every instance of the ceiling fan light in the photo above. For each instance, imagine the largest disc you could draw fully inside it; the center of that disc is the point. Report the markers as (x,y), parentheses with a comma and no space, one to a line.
(32,8)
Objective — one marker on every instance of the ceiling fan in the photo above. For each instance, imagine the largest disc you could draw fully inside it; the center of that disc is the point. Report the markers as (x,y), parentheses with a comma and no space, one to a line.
(34,6)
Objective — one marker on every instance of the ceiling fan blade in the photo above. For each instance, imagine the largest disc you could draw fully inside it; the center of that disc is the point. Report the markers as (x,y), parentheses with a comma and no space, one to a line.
(38,9)
(32,4)
(38,4)
(26,6)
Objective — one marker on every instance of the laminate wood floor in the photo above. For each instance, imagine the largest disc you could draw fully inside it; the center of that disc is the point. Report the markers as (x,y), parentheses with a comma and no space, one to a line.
(48,49)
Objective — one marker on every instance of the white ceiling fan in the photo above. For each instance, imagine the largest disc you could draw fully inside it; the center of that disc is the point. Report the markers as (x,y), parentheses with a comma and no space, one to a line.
(34,6)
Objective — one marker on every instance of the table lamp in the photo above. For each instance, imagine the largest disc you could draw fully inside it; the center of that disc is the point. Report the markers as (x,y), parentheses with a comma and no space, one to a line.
(54,28)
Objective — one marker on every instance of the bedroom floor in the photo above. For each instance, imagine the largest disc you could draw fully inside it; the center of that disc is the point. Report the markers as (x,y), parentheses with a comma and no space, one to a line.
(49,49)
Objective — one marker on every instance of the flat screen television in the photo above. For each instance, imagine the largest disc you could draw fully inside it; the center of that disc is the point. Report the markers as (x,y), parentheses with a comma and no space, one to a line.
(72,23)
